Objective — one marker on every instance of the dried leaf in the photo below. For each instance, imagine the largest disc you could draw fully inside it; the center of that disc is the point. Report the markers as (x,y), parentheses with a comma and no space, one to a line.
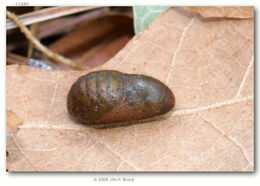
(207,63)
(226,11)
(12,121)
(91,44)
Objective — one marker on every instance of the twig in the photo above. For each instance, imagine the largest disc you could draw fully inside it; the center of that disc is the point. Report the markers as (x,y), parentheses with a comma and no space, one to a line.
(56,57)
(47,14)
(60,25)
(46,30)
(34,29)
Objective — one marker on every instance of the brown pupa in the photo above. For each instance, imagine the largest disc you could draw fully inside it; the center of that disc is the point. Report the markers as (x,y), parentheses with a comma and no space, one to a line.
(109,96)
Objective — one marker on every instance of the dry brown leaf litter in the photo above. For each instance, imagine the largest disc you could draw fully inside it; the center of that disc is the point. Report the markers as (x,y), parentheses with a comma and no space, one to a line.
(12,122)
(208,64)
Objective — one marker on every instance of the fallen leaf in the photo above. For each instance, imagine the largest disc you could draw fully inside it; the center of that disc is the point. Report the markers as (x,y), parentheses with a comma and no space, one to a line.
(12,121)
(102,52)
(91,44)
(223,11)
(207,63)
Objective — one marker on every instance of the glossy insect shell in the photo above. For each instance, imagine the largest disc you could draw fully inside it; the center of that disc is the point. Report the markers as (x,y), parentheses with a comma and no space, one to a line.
(109,96)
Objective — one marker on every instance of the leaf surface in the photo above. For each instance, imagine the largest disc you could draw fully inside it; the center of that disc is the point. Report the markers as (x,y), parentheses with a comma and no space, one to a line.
(208,63)
(143,15)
